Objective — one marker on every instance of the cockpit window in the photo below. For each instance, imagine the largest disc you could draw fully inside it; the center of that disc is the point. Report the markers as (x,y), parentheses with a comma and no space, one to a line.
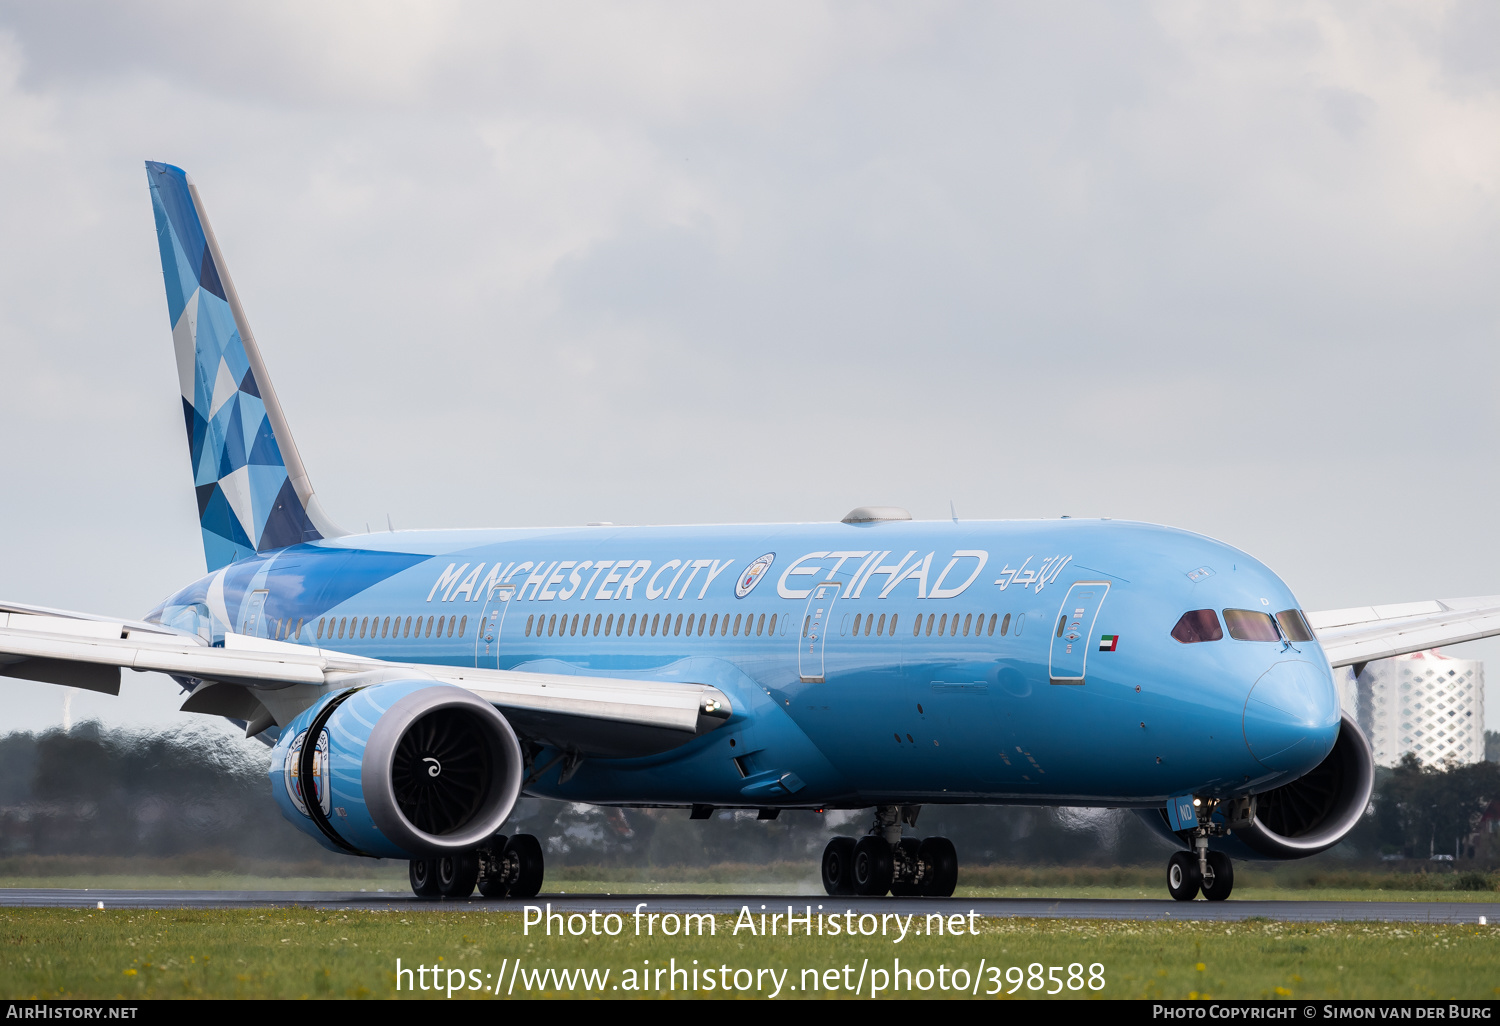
(1293,625)
(1198,625)
(1250,625)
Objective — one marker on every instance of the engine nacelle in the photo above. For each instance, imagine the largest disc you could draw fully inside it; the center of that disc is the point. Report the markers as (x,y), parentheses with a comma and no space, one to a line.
(1309,815)
(402,769)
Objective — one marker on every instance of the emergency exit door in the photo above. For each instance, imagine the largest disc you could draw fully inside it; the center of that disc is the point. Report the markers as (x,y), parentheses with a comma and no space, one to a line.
(1073,633)
(815,620)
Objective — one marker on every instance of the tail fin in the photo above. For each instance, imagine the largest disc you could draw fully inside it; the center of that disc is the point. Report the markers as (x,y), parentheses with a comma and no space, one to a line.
(253,492)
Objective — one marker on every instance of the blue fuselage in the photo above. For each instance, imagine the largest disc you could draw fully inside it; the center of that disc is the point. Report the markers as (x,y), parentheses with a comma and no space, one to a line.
(893,662)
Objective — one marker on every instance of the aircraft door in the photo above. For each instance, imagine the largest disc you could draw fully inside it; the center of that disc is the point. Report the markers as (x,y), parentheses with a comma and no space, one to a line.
(487,638)
(816,620)
(1074,631)
(254,624)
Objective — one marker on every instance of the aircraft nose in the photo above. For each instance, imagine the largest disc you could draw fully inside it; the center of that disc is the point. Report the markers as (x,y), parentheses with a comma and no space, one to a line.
(1292,716)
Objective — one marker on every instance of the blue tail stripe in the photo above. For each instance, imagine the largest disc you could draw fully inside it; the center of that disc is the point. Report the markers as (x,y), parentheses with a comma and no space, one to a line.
(247,502)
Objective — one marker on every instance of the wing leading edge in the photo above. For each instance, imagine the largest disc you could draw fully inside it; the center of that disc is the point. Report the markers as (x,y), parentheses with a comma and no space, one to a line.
(1355,636)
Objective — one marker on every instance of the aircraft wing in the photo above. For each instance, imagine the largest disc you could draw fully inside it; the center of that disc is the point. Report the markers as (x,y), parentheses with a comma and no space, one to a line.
(265,682)
(1353,637)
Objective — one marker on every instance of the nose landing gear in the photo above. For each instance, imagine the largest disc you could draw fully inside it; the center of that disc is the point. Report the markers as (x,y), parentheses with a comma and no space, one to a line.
(883,861)
(1211,872)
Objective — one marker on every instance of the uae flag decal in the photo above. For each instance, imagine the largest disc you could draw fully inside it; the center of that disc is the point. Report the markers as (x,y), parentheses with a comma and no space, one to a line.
(1109,642)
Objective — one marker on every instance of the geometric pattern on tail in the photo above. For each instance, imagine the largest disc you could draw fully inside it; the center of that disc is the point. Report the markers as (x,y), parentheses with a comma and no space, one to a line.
(246,501)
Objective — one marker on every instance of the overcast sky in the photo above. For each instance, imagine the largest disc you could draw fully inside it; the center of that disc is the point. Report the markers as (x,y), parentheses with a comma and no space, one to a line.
(1230,268)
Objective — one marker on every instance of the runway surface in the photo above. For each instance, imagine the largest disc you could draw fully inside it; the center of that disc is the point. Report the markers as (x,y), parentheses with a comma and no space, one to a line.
(1041,908)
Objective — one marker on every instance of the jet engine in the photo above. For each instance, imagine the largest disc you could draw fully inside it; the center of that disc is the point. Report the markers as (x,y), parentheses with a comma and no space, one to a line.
(1309,815)
(401,769)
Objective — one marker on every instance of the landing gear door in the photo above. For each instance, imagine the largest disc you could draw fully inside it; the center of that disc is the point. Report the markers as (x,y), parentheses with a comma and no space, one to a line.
(1074,631)
(487,638)
(815,621)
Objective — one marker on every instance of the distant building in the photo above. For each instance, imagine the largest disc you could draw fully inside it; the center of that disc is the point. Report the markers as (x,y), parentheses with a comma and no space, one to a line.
(1426,703)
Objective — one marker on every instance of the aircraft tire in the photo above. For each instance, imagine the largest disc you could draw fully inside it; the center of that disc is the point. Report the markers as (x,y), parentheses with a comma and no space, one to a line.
(873,868)
(530,865)
(907,886)
(1220,881)
(457,874)
(423,876)
(942,861)
(838,867)
(1183,877)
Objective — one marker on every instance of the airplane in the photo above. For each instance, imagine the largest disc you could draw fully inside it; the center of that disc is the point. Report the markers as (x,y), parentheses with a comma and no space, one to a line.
(413,684)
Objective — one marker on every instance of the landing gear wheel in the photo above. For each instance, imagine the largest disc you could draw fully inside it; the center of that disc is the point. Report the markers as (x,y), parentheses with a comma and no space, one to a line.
(1183,878)
(873,870)
(838,867)
(423,876)
(527,853)
(905,885)
(1220,879)
(456,874)
(493,882)
(942,867)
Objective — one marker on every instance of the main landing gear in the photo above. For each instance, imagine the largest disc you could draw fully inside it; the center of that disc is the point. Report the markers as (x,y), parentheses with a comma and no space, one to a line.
(501,869)
(883,861)
(1199,869)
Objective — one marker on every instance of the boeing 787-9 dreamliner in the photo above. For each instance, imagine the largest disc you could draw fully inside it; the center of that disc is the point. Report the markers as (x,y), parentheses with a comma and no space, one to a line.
(412,684)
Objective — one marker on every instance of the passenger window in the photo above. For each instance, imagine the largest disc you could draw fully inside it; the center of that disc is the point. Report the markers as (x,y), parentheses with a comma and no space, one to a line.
(993,618)
(654,621)
(573,627)
(1005,625)
(428,632)
(953,627)
(690,619)
(406,631)
(343,621)
(943,625)
(552,625)
(806,625)
(880,627)
(320,629)
(968,619)
(724,626)
(440,626)
(737,625)
(1294,626)
(1250,625)
(299,628)
(362,625)
(677,627)
(892,630)
(462,626)
(771,627)
(1060,621)
(1198,625)
(856,624)
(609,624)
(631,629)
(529,620)
(450,626)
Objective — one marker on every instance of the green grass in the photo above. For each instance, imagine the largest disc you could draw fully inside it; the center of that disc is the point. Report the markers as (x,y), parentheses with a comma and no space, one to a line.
(57,953)
(1286,882)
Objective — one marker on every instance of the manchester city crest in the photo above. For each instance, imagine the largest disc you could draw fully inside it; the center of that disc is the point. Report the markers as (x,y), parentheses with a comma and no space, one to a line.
(752,575)
(292,770)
